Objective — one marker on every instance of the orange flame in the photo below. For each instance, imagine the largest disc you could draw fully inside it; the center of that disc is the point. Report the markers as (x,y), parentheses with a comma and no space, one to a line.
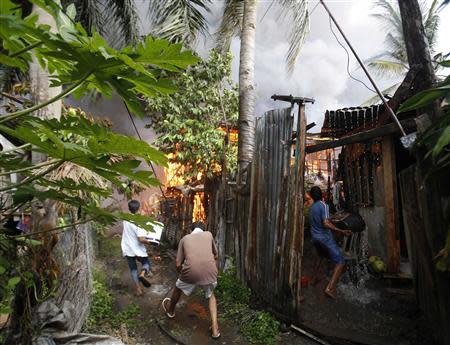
(198,213)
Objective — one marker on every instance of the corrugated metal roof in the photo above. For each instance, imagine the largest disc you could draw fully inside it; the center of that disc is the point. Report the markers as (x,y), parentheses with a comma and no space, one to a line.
(338,123)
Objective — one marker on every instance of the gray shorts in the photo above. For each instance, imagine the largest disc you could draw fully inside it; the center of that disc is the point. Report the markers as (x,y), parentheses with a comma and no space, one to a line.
(188,288)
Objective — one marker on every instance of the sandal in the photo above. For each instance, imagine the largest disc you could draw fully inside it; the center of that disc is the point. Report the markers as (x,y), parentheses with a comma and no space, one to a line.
(170,316)
(330,293)
(215,337)
(143,279)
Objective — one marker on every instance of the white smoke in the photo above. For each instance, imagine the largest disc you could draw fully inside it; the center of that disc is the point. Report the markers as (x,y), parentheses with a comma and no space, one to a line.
(320,72)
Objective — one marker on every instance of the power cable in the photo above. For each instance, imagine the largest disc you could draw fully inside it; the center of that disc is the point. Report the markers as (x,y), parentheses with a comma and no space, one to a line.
(140,138)
(314,8)
(348,58)
(268,8)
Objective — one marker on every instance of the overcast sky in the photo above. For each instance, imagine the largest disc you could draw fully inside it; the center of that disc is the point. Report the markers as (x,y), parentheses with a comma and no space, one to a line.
(320,72)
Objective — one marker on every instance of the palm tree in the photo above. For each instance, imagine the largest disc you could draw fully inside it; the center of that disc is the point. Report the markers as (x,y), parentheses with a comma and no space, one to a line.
(246,89)
(294,14)
(116,20)
(239,17)
(394,61)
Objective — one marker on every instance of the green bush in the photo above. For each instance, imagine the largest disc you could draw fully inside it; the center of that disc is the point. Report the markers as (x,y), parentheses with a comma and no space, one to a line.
(102,312)
(101,305)
(257,326)
(262,328)
(230,289)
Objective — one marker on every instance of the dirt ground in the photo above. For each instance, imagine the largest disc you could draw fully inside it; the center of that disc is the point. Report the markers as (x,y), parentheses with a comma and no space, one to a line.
(191,324)
(381,311)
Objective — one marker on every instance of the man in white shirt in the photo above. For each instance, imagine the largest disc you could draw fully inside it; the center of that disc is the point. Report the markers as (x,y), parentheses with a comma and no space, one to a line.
(133,249)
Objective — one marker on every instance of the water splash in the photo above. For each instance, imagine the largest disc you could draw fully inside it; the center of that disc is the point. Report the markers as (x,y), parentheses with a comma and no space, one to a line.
(353,286)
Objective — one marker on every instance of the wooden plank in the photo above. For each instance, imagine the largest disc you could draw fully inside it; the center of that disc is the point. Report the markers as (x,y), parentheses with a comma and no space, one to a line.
(390,129)
(390,205)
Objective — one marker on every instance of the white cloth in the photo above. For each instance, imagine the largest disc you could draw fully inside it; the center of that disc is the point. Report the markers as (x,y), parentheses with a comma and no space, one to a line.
(196,230)
(130,241)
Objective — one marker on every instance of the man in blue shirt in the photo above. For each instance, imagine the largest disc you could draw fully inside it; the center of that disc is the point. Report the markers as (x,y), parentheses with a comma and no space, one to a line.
(321,235)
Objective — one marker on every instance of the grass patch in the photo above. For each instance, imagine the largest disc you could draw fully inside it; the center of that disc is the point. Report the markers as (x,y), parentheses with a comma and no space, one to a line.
(259,327)
(109,246)
(102,311)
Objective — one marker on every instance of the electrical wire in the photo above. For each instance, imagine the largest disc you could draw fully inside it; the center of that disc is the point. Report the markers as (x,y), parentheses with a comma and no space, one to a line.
(348,58)
(314,8)
(268,8)
(140,138)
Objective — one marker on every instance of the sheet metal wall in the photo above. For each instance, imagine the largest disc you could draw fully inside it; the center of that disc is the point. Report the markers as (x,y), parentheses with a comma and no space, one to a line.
(269,219)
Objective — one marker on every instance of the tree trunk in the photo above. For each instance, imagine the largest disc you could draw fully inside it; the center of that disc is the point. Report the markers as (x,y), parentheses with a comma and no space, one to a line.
(247,89)
(432,289)
(417,48)
(39,78)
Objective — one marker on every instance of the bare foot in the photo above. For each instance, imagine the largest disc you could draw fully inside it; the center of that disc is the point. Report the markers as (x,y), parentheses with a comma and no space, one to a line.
(138,292)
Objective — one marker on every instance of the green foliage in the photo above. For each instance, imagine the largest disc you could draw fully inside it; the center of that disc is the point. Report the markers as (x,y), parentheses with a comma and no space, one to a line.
(84,63)
(179,21)
(230,289)
(109,246)
(81,63)
(188,121)
(102,309)
(435,141)
(262,328)
(101,304)
(257,326)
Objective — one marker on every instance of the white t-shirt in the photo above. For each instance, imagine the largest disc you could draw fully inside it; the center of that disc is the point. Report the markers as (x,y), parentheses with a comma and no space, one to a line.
(130,242)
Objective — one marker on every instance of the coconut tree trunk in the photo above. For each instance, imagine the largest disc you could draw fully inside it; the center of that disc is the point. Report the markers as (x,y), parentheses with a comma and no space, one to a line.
(417,47)
(41,92)
(247,89)
(39,78)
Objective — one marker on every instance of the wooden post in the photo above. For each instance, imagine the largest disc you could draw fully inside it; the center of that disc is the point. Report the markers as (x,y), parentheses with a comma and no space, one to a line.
(390,205)
(296,242)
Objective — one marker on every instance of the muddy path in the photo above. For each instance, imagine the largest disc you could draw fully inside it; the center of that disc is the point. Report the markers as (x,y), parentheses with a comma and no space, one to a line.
(191,324)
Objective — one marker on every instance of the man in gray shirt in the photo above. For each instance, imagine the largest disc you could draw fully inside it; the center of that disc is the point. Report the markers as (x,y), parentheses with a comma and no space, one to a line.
(196,262)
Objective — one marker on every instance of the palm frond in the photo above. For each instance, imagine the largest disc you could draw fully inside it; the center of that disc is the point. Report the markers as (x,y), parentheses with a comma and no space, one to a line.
(387,68)
(89,14)
(298,20)
(376,99)
(396,48)
(389,14)
(179,21)
(116,20)
(230,25)
(431,24)
(123,16)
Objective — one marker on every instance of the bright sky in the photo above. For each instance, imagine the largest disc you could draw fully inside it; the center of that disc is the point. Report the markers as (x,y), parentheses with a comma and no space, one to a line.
(320,72)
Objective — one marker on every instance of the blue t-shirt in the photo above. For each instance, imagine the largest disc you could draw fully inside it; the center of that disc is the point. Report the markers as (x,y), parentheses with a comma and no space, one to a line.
(317,214)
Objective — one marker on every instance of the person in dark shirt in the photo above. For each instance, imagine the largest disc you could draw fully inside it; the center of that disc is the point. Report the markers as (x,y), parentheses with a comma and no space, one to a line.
(321,228)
